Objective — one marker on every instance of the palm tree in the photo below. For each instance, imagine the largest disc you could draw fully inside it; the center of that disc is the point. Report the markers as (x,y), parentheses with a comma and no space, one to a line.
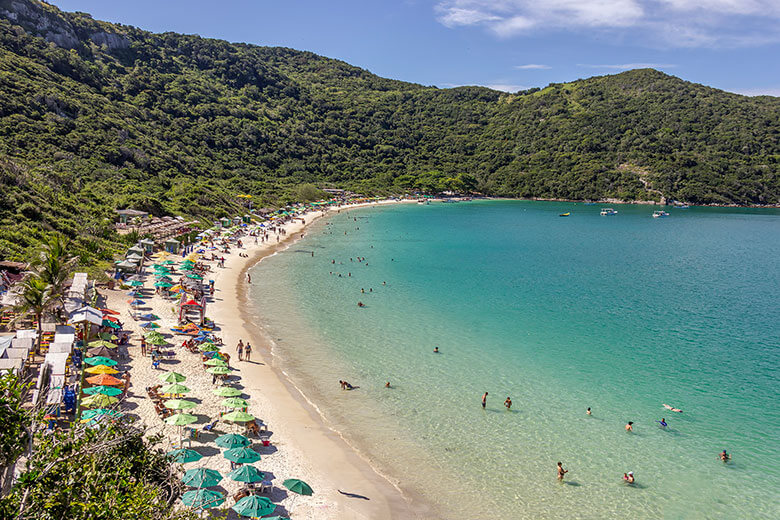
(36,299)
(55,264)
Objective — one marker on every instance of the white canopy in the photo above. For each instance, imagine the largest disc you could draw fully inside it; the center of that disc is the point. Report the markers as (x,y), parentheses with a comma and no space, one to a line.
(87,314)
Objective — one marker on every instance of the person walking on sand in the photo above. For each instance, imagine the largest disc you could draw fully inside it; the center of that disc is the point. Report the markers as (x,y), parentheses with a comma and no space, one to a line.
(484,400)
(248,352)
(561,471)
(240,350)
(248,278)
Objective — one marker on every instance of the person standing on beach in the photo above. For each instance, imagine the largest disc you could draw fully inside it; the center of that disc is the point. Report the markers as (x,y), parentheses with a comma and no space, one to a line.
(561,471)
(248,352)
(248,278)
(143,346)
(484,400)
(240,350)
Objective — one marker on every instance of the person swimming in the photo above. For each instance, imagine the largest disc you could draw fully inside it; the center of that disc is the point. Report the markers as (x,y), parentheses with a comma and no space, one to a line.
(508,403)
(672,409)
(628,477)
(725,457)
(662,422)
(630,426)
(435,350)
(588,411)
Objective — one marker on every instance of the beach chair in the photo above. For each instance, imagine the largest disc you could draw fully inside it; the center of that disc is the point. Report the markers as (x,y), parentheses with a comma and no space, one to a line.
(210,427)
(266,487)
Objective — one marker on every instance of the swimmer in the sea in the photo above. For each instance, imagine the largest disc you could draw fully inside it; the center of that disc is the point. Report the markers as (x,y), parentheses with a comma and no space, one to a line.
(508,403)
(435,350)
(662,422)
(588,411)
(630,426)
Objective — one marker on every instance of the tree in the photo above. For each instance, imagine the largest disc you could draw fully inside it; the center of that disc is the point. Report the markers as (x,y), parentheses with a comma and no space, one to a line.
(55,264)
(36,299)
(14,420)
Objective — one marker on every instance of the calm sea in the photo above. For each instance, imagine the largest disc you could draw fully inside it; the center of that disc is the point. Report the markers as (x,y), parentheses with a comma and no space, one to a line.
(620,314)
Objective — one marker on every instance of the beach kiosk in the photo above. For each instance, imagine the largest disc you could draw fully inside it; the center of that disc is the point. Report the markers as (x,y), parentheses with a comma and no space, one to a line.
(172,245)
(135,251)
(226,222)
(147,245)
(247,219)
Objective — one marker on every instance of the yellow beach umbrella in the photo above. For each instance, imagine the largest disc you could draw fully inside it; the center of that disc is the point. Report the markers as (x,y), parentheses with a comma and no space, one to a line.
(101,369)
(98,400)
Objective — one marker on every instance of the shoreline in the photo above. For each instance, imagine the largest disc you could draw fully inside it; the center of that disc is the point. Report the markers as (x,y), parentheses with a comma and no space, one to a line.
(294,418)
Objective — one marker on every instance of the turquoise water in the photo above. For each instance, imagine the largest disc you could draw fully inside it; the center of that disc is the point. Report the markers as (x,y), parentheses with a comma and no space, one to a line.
(620,314)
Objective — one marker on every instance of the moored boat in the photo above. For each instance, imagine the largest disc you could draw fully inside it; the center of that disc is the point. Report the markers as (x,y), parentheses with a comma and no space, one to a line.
(660,214)
(608,212)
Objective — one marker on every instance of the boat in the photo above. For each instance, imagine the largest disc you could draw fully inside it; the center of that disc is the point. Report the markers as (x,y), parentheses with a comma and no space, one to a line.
(660,214)
(564,214)
(608,212)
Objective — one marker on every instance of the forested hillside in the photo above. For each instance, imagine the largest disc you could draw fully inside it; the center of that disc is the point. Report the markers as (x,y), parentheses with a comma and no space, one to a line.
(95,116)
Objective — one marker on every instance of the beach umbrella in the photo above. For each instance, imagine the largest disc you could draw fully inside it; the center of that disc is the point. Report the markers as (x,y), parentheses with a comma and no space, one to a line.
(97,412)
(102,389)
(149,317)
(215,363)
(201,477)
(218,371)
(180,404)
(156,340)
(181,419)
(277,517)
(134,293)
(234,402)
(101,369)
(168,262)
(298,486)
(194,276)
(137,302)
(242,455)
(107,336)
(232,440)
(101,351)
(99,400)
(174,388)
(108,323)
(104,379)
(136,283)
(186,267)
(226,391)
(184,455)
(254,506)
(172,377)
(208,347)
(164,285)
(100,360)
(238,416)
(149,325)
(193,303)
(153,334)
(202,498)
(246,473)
(109,311)
(101,343)
(176,288)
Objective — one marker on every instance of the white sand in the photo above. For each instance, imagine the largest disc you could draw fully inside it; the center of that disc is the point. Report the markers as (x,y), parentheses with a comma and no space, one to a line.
(302,445)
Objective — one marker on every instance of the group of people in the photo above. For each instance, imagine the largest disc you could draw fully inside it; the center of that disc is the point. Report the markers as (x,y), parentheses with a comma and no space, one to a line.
(244,351)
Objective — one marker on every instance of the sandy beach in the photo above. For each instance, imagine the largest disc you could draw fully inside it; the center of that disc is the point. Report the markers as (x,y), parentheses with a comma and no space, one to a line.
(302,446)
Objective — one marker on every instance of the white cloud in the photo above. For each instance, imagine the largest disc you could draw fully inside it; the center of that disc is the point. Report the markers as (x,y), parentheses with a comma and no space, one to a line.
(766,91)
(628,66)
(532,66)
(669,23)
(506,87)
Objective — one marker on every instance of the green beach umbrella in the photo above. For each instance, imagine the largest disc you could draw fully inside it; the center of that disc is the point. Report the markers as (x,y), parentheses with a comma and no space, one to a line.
(187,262)
(208,347)
(91,414)
(254,506)
(100,360)
(226,391)
(218,371)
(111,324)
(168,262)
(201,477)
(164,285)
(111,391)
(186,267)
(195,276)
(174,388)
(181,419)
(99,400)
(184,455)
(149,317)
(214,362)
(101,343)
(150,325)
(153,334)
(246,473)
(298,486)
(234,402)
(107,336)
(172,377)
(179,404)
(136,283)
(202,498)
(232,440)
(243,455)
(238,417)
(156,340)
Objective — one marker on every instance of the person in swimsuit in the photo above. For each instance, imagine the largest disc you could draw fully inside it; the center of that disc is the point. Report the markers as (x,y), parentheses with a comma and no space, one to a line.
(724,456)
(240,349)
(387,385)
(435,350)
(588,411)
(508,403)
(629,478)
(662,422)
(630,426)
(484,400)
(247,352)
(561,471)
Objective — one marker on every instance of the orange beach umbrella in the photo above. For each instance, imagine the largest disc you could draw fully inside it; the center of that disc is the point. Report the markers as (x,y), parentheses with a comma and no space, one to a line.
(104,379)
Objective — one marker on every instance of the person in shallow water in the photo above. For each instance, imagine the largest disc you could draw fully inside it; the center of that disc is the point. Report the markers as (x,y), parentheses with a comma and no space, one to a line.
(630,426)
(561,471)
(588,411)
(484,400)
(724,456)
(508,403)
(629,477)
(435,350)
(662,422)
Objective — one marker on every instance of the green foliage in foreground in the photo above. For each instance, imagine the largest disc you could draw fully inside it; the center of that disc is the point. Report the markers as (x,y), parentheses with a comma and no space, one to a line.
(113,116)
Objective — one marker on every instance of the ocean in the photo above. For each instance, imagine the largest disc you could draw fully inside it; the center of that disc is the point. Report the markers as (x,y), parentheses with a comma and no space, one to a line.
(617,313)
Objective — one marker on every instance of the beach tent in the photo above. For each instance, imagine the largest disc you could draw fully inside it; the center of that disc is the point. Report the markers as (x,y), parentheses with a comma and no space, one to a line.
(125,266)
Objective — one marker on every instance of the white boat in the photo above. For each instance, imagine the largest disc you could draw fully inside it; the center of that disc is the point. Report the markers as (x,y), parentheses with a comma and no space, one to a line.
(608,212)
(660,214)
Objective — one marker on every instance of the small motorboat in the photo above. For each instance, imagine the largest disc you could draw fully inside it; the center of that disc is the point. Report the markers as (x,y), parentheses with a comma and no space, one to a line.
(564,214)
(608,212)
(660,214)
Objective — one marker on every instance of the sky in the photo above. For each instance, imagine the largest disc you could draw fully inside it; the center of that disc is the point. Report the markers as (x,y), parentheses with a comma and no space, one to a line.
(508,45)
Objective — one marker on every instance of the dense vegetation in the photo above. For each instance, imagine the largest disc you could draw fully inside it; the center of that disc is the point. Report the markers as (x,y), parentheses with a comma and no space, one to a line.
(112,116)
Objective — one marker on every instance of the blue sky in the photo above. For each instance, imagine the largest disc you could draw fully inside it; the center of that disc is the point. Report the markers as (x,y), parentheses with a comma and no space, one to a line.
(505,44)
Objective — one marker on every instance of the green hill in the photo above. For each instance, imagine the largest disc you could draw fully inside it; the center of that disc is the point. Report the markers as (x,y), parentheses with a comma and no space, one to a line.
(95,116)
